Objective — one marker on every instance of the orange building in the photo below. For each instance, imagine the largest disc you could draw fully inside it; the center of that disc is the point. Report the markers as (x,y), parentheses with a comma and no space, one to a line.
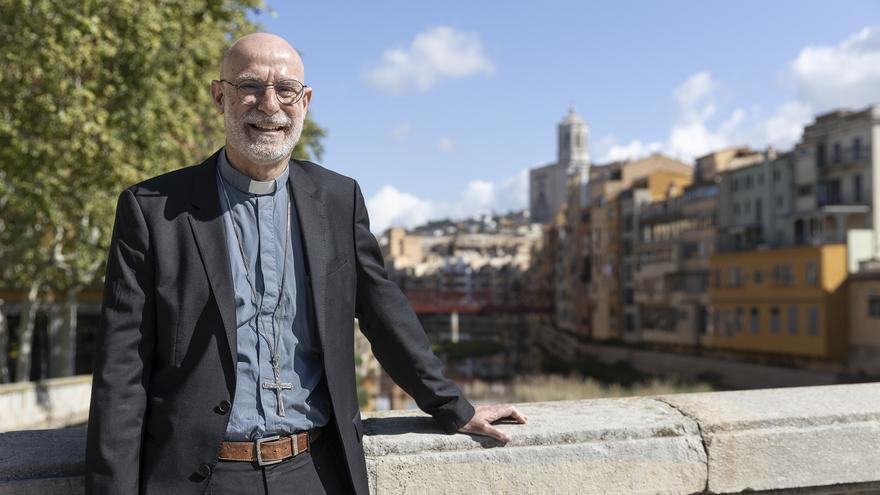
(784,301)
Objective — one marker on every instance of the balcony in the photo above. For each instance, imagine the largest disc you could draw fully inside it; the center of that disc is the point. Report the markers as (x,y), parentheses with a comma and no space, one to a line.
(843,158)
(794,440)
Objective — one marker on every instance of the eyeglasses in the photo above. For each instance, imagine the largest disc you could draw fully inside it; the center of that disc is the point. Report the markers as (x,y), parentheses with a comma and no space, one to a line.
(287,92)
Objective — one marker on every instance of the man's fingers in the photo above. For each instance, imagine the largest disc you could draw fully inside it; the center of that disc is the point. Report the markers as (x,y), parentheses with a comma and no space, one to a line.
(490,431)
(508,411)
(517,416)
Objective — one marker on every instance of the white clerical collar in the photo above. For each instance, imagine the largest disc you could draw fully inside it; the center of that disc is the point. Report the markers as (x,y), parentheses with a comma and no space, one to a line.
(244,183)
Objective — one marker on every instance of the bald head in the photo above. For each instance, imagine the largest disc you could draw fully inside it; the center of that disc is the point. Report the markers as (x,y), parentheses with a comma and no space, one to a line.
(264,100)
(264,49)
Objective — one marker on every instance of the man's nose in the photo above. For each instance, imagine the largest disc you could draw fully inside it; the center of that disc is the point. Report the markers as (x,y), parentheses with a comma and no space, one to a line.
(269,102)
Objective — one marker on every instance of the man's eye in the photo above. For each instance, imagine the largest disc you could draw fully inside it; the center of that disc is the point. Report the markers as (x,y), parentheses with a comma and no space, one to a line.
(250,88)
(287,90)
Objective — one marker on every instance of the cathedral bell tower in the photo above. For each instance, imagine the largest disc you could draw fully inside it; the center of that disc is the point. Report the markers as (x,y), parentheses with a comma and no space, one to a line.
(573,154)
(573,134)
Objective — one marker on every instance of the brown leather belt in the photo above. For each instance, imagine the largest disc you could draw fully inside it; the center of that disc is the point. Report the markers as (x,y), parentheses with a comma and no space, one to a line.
(268,450)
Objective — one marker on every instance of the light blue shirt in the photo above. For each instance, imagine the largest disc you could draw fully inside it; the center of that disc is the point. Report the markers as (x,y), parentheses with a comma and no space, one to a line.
(259,213)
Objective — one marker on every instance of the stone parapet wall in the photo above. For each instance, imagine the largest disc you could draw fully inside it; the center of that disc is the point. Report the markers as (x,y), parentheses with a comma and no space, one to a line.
(795,440)
(51,403)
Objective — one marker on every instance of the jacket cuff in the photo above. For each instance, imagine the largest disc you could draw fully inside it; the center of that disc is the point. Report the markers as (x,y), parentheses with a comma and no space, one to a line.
(454,415)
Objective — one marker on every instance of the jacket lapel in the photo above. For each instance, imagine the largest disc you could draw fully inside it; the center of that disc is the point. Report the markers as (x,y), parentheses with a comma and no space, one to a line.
(313,222)
(206,220)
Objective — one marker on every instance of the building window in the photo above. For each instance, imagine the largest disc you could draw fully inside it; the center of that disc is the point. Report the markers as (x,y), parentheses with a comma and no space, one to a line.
(761,179)
(820,155)
(812,274)
(857,149)
(749,182)
(792,320)
(758,277)
(806,190)
(873,306)
(774,320)
(754,317)
(716,321)
(857,188)
(734,277)
(739,320)
(782,275)
(837,153)
(813,321)
(728,323)
(780,201)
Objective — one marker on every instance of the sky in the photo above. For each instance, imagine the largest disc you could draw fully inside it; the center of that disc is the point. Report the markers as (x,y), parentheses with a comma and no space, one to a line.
(438,109)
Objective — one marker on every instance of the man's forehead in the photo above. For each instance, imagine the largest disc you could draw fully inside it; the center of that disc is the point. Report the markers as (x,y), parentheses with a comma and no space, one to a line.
(263,67)
(263,56)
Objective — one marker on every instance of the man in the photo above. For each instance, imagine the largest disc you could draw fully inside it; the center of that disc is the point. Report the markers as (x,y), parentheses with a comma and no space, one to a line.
(225,360)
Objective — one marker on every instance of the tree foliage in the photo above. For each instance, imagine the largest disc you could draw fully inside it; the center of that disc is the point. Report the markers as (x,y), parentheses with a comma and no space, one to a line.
(96,95)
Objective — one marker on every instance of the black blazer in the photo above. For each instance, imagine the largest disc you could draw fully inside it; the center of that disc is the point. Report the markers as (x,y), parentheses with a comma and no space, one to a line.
(165,366)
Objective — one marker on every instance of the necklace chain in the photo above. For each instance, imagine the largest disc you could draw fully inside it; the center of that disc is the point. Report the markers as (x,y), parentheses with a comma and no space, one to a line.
(273,349)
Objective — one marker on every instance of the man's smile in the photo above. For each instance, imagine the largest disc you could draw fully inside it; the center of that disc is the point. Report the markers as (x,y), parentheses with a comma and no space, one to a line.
(267,128)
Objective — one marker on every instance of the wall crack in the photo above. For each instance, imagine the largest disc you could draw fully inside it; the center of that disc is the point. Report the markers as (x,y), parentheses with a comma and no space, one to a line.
(703,440)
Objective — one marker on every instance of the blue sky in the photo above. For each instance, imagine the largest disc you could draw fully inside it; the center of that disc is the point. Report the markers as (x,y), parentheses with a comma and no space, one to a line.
(439,108)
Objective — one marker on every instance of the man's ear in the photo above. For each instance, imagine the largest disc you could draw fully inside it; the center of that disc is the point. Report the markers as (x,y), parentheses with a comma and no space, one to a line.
(306,99)
(217,95)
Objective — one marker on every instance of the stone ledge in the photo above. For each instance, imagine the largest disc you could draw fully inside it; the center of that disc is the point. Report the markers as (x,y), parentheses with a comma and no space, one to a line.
(808,440)
(774,439)
(625,445)
(52,403)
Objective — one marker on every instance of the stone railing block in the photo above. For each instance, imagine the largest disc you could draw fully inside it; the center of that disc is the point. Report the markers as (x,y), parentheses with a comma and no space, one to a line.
(599,446)
(51,403)
(788,438)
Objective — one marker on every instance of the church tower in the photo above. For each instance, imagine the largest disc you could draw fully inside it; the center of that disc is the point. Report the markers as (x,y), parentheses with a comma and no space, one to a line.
(573,152)
(550,184)
(573,134)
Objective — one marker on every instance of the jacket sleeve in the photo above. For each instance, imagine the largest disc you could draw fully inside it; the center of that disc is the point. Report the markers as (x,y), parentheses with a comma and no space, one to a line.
(397,338)
(123,357)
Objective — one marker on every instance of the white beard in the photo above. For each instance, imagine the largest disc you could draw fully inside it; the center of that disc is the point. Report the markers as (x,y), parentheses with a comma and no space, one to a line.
(264,149)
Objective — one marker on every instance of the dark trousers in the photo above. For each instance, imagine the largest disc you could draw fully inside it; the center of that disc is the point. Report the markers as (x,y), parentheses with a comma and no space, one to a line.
(319,471)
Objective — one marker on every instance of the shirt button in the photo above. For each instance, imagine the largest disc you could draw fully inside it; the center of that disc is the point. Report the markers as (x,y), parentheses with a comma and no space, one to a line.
(224,406)
(204,470)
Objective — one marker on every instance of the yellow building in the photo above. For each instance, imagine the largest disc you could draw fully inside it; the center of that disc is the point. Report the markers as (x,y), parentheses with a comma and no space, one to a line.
(662,177)
(785,301)
(864,336)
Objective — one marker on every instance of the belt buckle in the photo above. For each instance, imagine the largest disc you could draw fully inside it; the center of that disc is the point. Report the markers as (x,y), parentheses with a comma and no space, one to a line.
(260,441)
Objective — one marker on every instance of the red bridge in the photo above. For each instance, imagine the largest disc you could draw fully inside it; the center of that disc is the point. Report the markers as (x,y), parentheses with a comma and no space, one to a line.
(433,301)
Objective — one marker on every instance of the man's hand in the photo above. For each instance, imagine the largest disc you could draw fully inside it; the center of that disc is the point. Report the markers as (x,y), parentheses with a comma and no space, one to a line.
(484,416)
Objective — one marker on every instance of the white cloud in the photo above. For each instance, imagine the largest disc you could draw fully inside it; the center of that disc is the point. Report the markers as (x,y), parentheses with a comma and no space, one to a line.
(823,78)
(435,54)
(691,134)
(392,207)
(783,128)
(633,149)
(695,90)
(844,75)
(399,132)
(446,145)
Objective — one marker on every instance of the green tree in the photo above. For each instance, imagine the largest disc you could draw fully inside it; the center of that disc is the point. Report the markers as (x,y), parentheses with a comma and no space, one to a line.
(96,95)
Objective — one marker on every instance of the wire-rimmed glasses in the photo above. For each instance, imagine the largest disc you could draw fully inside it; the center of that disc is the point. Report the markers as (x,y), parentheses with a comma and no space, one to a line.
(249,91)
